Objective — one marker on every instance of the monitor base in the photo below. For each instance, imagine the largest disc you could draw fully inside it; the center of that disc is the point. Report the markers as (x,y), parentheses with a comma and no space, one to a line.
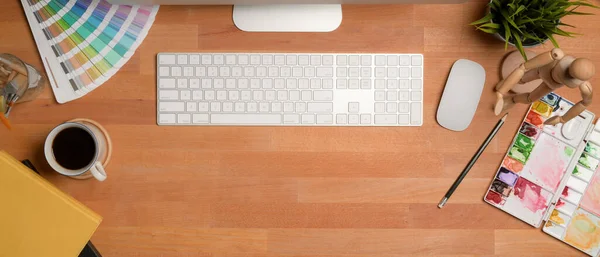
(288,17)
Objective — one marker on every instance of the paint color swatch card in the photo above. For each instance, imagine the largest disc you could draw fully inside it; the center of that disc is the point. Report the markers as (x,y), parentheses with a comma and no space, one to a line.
(84,42)
(550,174)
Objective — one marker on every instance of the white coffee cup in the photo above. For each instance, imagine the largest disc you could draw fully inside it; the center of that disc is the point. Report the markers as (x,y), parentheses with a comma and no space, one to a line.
(103,148)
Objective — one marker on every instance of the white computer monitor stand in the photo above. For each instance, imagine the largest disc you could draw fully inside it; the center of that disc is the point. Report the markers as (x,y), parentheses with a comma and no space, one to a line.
(288,17)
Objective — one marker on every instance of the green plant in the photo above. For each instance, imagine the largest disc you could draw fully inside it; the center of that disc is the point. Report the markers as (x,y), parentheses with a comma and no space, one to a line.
(526,22)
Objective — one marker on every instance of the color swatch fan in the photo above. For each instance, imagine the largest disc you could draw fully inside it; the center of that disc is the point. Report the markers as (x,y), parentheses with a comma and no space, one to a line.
(83,43)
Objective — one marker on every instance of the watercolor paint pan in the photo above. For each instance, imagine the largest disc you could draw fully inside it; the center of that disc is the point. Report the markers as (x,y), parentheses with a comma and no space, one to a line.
(84,43)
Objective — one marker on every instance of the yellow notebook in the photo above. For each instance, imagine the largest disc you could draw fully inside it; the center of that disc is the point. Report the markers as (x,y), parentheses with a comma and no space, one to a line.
(36,218)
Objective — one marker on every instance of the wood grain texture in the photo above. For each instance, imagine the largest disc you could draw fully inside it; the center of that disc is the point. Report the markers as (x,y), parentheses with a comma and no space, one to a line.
(291,191)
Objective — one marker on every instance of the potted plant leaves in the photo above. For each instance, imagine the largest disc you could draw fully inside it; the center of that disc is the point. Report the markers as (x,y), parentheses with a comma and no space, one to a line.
(528,23)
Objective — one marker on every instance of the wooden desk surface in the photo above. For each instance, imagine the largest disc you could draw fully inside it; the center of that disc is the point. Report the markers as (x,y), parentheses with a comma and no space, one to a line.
(292,191)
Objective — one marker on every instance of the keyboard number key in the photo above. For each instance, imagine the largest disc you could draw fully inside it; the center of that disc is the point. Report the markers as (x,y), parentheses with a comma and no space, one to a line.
(328,60)
(342,60)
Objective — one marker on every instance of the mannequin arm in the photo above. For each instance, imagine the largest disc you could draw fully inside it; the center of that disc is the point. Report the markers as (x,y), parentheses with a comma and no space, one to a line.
(538,61)
(586,95)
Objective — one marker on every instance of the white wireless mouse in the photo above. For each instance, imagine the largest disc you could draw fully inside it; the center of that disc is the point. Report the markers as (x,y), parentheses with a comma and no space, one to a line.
(461,95)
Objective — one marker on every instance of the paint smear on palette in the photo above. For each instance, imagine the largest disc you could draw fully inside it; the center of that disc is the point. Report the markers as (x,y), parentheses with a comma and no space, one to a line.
(584,232)
(512,164)
(529,130)
(588,162)
(571,195)
(559,218)
(591,198)
(494,198)
(542,108)
(535,119)
(554,230)
(565,207)
(548,162)
(528,202)
(551,99)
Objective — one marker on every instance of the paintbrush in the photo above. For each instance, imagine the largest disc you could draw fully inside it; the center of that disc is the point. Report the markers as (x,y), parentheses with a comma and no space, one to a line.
(464,173)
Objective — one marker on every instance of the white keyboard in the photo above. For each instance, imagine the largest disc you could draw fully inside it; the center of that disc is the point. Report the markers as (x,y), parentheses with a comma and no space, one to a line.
(290,89)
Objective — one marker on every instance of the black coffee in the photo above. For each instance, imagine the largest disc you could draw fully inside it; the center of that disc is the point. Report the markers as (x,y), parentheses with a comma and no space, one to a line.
(74,148)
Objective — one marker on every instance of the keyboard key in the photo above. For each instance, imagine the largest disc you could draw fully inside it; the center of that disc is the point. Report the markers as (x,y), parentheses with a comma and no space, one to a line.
(188,71)
(224,71)
(222,95)
(282,95)
(403,95)
(267,59)
(218,59)
(243,59)
(379,95)
(267,83)
(303,60)
(279,83)
(353,119)
(288,107)
(246,95)
(249,71)
(263,107)
(392,95)
(341,119)
(257,95)
(215,106)
(324,119)
(342,60)
(327,60)
(320,107)
(342,72)
(297,72)
(254,83)
(308,119)
(324,72)
(416,72)
(197,95)
(182,59)
(230,59)
(353,72)
(200,71)
(182,83)
(291,59)
(230,83)
(200,118)
(322,95)
(353,60)
(227,107)
(203,106)
(243,83)
(303,83)
(194,83)
(380,60)
(392,72)
(209,95)
(234,95)
(270,95)
(342,84)
(191,107)
(391,107)
(291,119)
(404,60)
(386,119)
(176,71)
(276,107)
(415,96)
(416,84)
(403,72)
(166,83)
(218,83)
(403,83)
(239,107)
(206,59)
(380,72)
(279,60)
(171,106)
(327,83)
(234,118)
(294,95)
(212,71)
(365,72)
(166,118)
(252,107)
(315,60)
(300,107)
(353,107)
(309,72)
(365,119)
(291,83)
(392,84)
(255,59)
(379,107)
(379,84)
(186,95)
(366,60)
(417,60)
(415,114)
(167,59)
(353,84)
(286,72)
(392,60)
(315,83)
(403,119)
(306,95)
(168,95)
(260,71)
(184,118)
(237,71)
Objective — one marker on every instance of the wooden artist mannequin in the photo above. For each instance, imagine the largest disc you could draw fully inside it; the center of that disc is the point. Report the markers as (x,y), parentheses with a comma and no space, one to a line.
(555,70)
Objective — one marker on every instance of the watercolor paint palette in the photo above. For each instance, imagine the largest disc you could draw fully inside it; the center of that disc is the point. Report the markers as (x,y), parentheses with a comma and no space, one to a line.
(550,174)
(85,42)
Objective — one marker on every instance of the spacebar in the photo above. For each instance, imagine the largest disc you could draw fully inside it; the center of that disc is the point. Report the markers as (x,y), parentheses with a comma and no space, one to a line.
(230,118)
